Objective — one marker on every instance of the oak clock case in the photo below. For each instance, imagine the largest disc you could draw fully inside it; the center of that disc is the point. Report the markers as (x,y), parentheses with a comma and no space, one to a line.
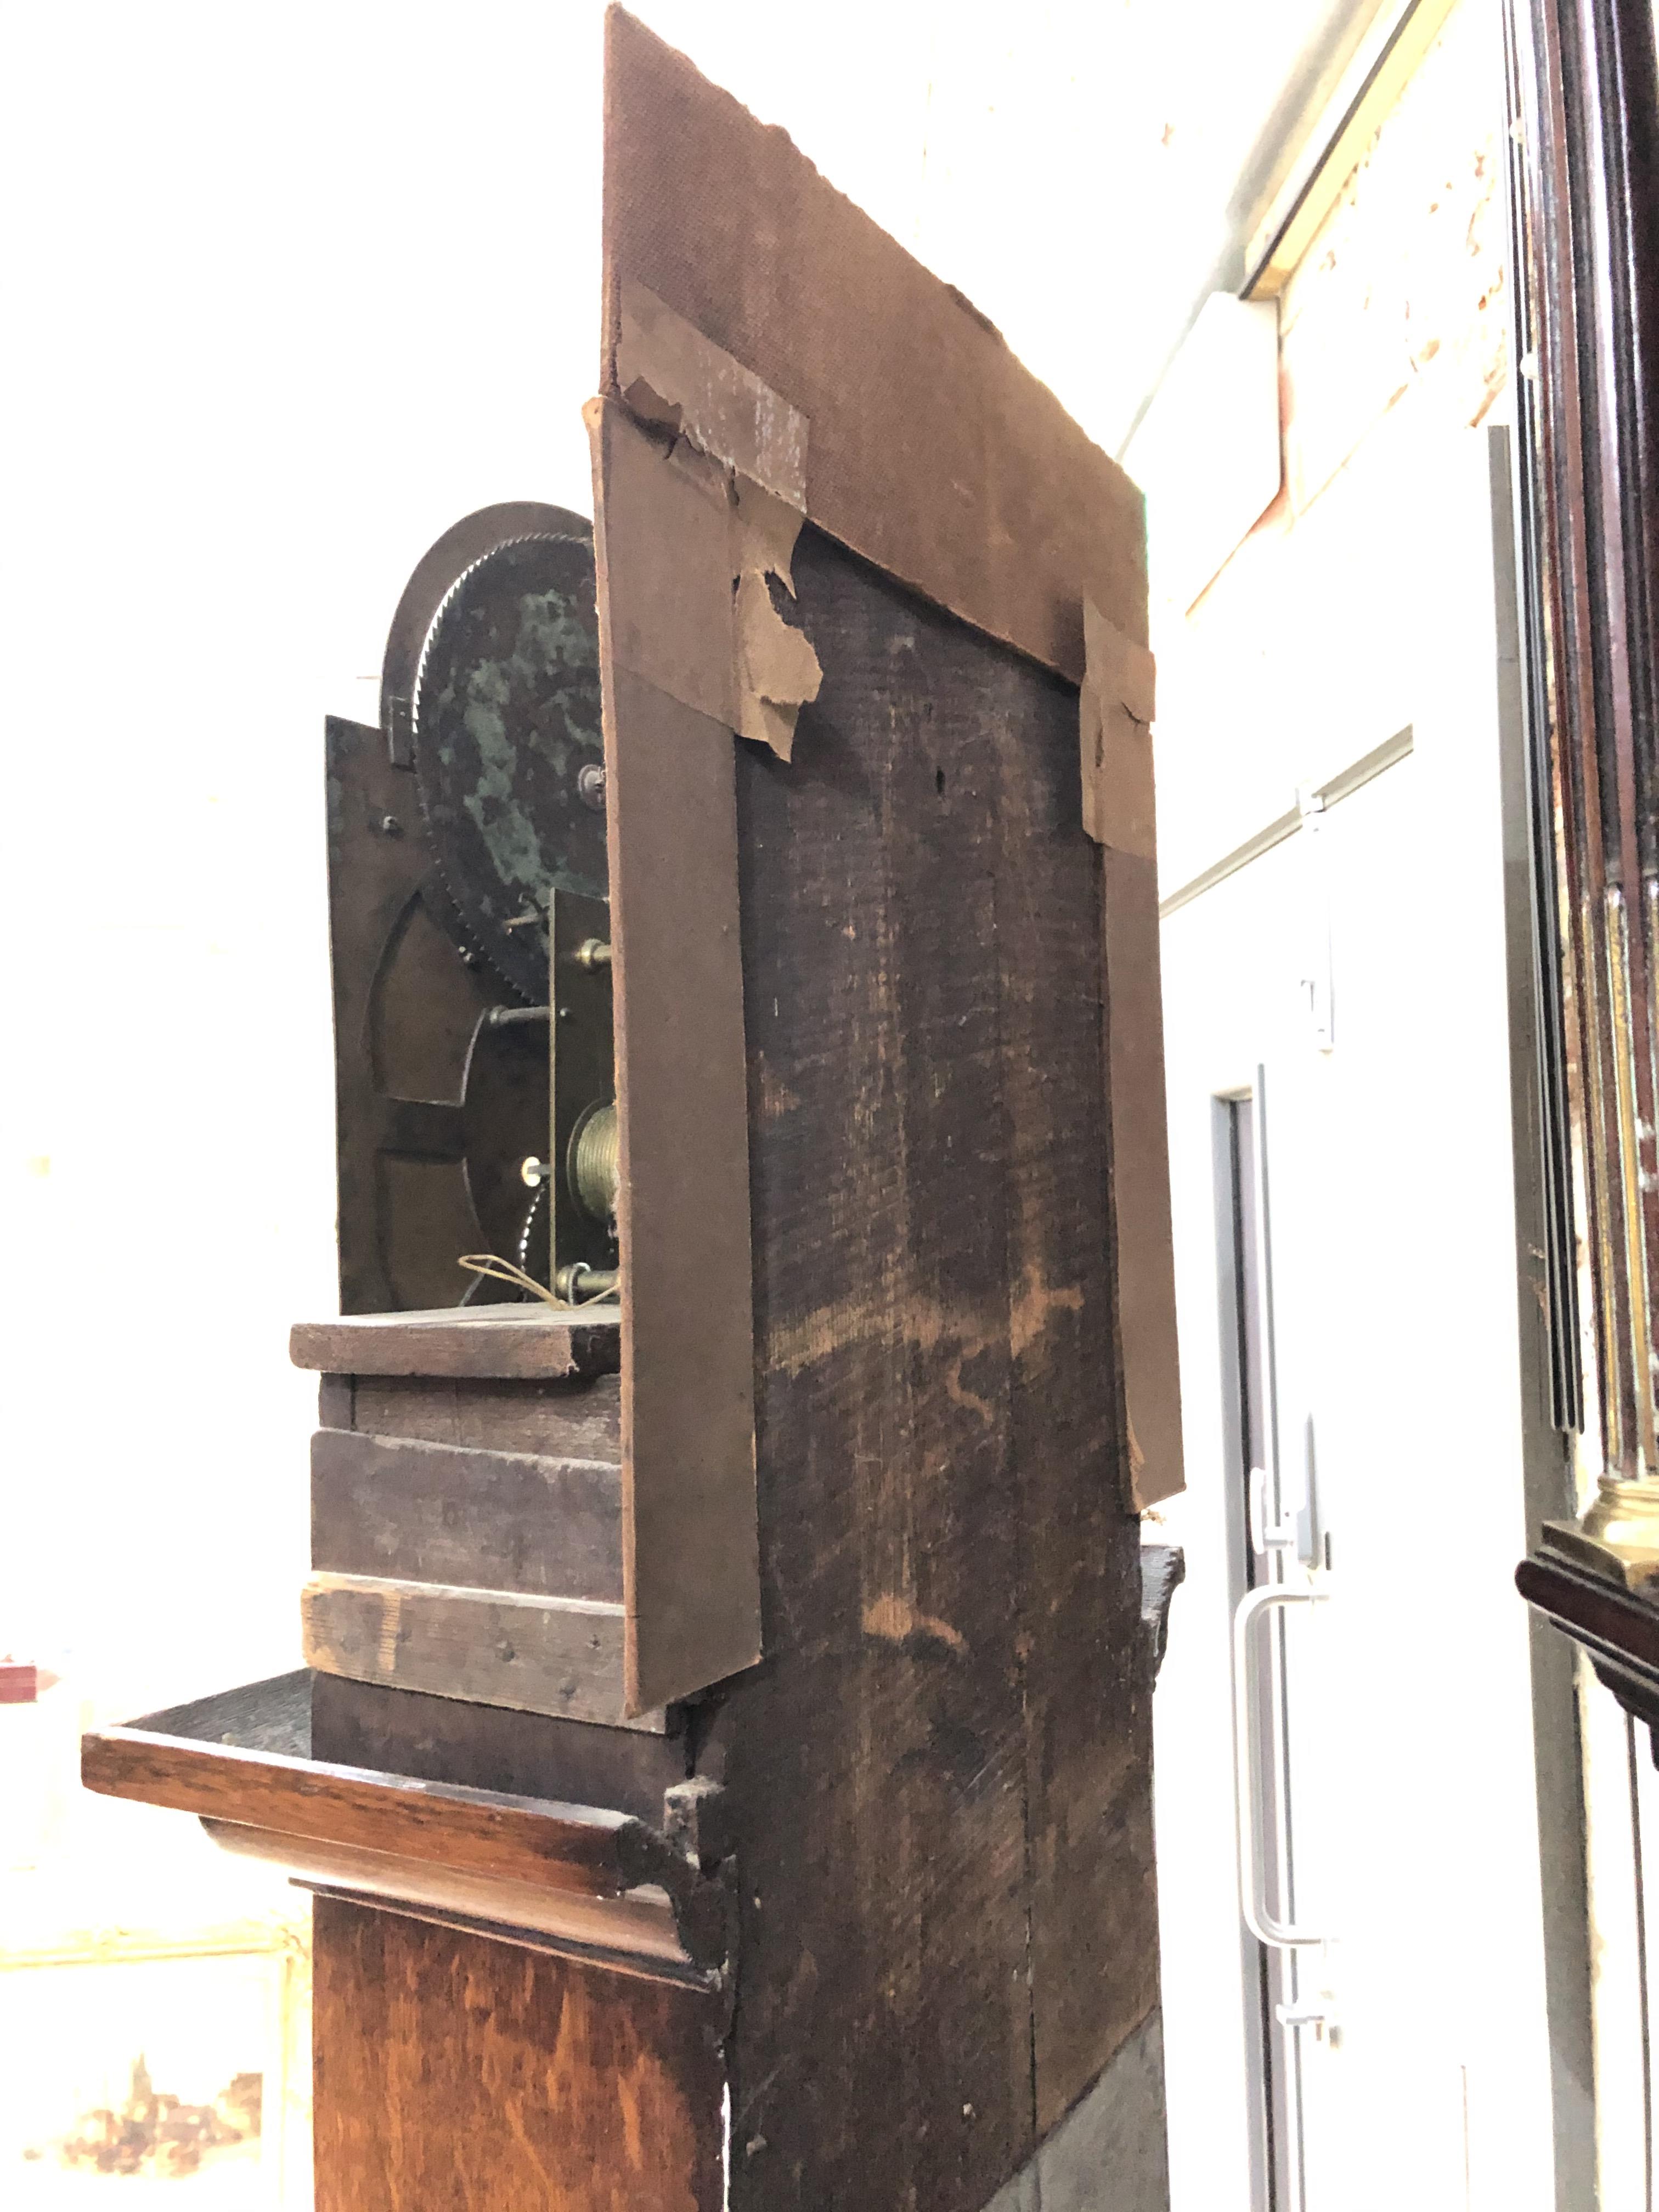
(726,1687)
(469,926)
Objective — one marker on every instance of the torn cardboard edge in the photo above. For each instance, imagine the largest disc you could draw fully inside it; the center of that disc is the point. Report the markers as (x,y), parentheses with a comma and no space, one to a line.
(691,603)
(1116,704)
(935,455)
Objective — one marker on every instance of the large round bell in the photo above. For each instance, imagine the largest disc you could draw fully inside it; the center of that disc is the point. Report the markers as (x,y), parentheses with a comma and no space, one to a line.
(505,719)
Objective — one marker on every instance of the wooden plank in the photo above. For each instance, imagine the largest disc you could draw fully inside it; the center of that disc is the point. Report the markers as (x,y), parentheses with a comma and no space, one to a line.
(576,1419)
(441,1513)
(562,1656)
(451,2071)
(689,1570)
(875,1764)
(529,1342)
(929,449)
(1087,1686)
(577,1847)
(489,1748)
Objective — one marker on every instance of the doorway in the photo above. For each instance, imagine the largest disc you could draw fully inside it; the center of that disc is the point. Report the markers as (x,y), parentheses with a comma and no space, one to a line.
(1359,2009)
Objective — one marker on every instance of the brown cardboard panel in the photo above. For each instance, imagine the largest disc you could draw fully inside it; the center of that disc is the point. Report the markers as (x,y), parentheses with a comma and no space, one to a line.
(934,452)
(690,1571)
(1140,1176)
(668,373)
(1114,718)
(691,1566)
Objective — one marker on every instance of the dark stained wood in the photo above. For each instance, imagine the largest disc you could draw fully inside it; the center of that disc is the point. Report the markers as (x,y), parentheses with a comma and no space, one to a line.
(452,2071)
(938,1775)
(1593,1609)
(441,1513)
(1087,1686)
(577,1847)
(575,1418)
(1618,1628)
(562,1656)
(930,449)
(406,1007)
(1587,169)
(507,1342)
(489,1748)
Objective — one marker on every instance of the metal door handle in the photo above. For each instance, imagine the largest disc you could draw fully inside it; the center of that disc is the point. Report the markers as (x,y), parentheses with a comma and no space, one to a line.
(1281,1535)
(1278,1935)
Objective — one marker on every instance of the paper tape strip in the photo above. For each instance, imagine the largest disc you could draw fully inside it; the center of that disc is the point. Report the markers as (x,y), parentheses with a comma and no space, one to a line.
(1115,707)
(688,547)
(669,374)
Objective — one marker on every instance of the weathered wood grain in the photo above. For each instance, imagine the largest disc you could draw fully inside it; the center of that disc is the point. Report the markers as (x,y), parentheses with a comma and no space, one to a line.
(876,1765)
(531,1342)
(454,2071)
(578,1848)
(561,1655)
(441,1513)
(575,1419)
(1092,1904)
(939,1776)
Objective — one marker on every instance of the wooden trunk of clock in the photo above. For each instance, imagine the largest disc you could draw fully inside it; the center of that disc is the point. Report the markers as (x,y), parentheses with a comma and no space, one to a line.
(724,1766)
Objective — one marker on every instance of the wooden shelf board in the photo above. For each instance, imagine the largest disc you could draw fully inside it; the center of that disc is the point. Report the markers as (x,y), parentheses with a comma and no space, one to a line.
(587,1880)
(189,1759)
(485,1343)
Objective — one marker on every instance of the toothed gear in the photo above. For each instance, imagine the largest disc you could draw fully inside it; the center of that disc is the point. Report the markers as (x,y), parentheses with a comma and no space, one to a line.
(506,714)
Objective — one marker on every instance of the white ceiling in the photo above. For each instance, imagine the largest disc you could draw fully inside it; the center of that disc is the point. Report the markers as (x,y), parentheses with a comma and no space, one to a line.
(1076,166)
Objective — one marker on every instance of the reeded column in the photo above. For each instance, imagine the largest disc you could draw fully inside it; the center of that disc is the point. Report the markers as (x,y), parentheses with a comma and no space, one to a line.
(1585,89)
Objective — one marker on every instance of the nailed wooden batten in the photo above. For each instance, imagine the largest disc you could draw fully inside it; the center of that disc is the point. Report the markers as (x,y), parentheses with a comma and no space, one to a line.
(559,1655)
(526,1343)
